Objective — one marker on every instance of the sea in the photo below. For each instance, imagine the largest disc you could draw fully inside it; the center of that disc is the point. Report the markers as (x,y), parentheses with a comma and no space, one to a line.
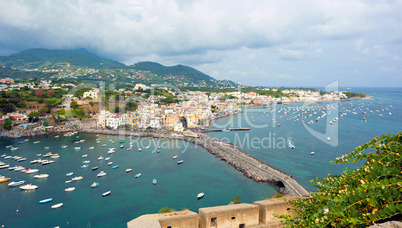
(282,135)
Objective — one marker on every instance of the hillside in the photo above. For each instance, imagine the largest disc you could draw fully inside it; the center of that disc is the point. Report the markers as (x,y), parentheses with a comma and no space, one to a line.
(44,59)
(6,72)
(81,65)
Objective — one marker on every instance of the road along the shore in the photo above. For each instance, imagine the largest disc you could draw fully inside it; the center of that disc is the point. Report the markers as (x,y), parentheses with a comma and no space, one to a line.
(249,166)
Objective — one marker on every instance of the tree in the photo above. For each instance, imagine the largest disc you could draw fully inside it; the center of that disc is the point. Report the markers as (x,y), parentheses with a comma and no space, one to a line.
(73,104)
(52,102)
(237,200)
(165,210)
(44,110)
(357,198)
(41,101)
(9,107)
(33,116)
(39,93)
(131,106)
(8,123)
(50,92)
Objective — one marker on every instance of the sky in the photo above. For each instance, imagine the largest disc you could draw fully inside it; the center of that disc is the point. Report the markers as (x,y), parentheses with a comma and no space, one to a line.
(258,42)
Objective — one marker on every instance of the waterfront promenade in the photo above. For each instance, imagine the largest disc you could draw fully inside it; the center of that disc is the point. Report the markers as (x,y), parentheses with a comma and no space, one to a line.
(249,166)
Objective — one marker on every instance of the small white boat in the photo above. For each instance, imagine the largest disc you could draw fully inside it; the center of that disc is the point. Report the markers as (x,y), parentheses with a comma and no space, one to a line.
(139,149)
(94,185)
(28,187)
(46,201)
(77,148)
(64,146)
(16,183)
(329,138)
(69,174)
(29,171)
(137,175)
(104,145)
(77,178)
(84,155)
(200,195)
(128,170)
(110,163)
(41,176)
(86,162)
(14,148)
(57,205)
(84,166)
(68,181)
(45,162)
(101,158)
(48,155)
(91,148)
(55,156)
(174,157)
(56,136)
(180,162)
(21,159)
(106,193)
(312,153)
(36,142)
(101,174)
(69,189)
(107,159)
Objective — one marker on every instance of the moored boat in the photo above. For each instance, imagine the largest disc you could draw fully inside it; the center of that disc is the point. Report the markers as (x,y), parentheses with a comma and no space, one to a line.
(69,189)
(77,178)
(128,170)
(137,175)
(28,187)
(29,171)
(95,168)
(4,179)
(115,167)
(200,195)
(94,185)
(16,183)
(57,205)
(106,193)
(41,176)
(101,174)
(154,181)
(46,201)
(69,174)
(180,162)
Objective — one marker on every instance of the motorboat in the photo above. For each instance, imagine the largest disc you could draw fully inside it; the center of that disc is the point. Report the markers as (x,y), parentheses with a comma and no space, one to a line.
(84,166)
(14,148)
(46,201)
(139,149)
(36,142)
(28,187)
(312,153)
(45,162)
(200,195)
(41,176)
(86,161)
(29,171)
(48,155)
(107,159)
(115,167)
(106,193)
(16,183)
(154,181)
(95,168)
(110,163)
(77,148)
(69,189)
(46,147)
(55,156)
(69,174)
(104,145)
(328,138)
(94,185)
(101,158)
(84,155)
(137,175)
(91,148)
(121,146)
(57,205)
(101,174)
(35,161)
(4,179)
(68,181)
(180,162)
(77,178)
(63,146)
(4,166)
(128,170)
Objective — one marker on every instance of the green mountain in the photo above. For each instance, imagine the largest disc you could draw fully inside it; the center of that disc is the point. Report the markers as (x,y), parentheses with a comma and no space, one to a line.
(44,59)
(81,65)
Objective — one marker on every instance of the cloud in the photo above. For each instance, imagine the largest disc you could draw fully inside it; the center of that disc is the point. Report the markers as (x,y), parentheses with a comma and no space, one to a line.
(220,37)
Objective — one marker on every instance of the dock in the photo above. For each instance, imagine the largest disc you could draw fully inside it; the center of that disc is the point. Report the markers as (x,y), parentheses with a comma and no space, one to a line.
(226,129)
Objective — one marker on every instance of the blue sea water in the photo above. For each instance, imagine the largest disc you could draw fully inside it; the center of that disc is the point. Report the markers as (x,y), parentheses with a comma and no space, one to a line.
(178,185)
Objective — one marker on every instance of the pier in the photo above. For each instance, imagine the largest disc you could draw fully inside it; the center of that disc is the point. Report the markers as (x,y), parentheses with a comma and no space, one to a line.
(249,166)
(225,129)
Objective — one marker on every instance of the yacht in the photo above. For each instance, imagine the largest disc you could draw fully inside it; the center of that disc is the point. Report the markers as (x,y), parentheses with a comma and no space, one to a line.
(29,171)
(154,182)
(16,183)
(28,187)
(45,162)
(86,162)
(128,170)
(180,162)
(106,193)
(48,155)
(77,178)
(115,167)
(4,166)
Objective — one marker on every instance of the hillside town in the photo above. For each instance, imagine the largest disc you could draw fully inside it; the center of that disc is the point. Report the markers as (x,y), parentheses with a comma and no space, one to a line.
(138,107)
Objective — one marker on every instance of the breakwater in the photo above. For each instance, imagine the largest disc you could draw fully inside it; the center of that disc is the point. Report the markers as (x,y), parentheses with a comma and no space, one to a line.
(249,166)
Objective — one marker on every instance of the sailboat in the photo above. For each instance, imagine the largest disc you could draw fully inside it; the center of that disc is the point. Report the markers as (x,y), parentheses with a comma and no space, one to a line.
(312,152)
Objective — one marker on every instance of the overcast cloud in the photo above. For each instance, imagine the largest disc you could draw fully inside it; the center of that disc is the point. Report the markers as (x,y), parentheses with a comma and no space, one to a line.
(271,43)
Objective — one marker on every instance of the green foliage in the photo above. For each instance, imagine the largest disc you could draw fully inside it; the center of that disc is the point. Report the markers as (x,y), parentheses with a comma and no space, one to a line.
(354,95)
(44,110)
(237,200)
(131,106)
(41,100)
(165,210)
(8,107)
(357,198)
(62,112)
(278,195)
(78,113)
(73,104)
(8,124)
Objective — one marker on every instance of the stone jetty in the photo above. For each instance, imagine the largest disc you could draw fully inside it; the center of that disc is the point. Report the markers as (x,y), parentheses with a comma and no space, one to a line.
(249,166)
